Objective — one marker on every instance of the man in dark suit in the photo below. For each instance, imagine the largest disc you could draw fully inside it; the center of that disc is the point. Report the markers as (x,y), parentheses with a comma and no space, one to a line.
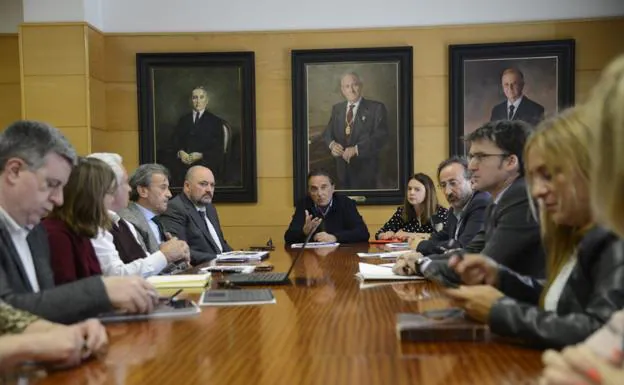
(338,216)
(510,235)
(201,137)
(517,106)
(356,132)
(35,163)
(467,212)
(191,216)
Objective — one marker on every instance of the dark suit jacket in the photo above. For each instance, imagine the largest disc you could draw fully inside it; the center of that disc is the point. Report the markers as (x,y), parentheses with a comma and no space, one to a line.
(511,235)
(528,111)
(369,133)
(183,221)
(206,137)
(472,220)
(342,220)
(71,256)
(134,215)
(66,303)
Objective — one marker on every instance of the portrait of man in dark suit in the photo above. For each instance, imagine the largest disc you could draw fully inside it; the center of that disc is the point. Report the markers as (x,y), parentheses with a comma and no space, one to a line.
(357,130)
(517,106)
(201,137)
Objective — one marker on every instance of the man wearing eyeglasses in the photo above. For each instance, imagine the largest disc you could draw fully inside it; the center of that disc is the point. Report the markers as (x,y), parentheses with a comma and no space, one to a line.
(467,212)
(510,234)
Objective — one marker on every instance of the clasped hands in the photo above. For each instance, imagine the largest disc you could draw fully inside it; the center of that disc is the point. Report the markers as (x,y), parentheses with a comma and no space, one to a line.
(191,158)
(345,153)
(478,273)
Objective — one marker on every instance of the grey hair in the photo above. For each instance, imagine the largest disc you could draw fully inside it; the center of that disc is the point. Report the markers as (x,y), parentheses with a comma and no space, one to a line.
(32,141)
(113,160)
(354,74)
(142,176)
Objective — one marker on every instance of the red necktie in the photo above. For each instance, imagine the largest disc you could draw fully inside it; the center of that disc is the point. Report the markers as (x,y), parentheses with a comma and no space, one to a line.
(349,122)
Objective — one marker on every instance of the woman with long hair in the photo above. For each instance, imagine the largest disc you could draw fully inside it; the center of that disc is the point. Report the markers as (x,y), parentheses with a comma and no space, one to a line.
(585,262)
(71,226)
(420,214)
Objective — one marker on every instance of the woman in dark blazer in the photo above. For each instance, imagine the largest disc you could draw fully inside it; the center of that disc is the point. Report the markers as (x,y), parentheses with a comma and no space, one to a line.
(420,214)
(70,227)
(585,263)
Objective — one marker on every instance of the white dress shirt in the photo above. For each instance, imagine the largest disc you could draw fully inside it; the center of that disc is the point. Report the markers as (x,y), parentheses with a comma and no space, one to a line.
(212,230)
(149,215)
(111,262)
(18,236)
(551,299)
(516,104)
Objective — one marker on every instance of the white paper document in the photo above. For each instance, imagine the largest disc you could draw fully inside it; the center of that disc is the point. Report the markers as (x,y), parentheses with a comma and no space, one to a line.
(242,269)
(179,280)
(382,273)
(241,255)
(315,245)
(397,245)
(383,254)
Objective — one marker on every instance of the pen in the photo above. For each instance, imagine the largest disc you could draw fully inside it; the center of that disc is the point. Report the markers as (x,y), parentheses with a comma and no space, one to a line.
(173,296)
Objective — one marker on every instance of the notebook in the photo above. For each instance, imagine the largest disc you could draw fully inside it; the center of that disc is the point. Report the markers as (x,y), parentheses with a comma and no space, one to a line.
(382,273)
(179,280)
(236,297)
(440,325)
(177,308)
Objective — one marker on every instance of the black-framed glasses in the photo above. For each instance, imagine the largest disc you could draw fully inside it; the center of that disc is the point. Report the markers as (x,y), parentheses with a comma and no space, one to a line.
(479,156)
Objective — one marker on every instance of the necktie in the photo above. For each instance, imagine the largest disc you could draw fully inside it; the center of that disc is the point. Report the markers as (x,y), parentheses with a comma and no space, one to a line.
(511,112)
(161,230)
(125,243)
(349,121)
(211,230)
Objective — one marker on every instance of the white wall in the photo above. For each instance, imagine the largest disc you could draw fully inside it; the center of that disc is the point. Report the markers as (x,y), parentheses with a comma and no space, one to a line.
(10,15)
(51,11)
(249,15)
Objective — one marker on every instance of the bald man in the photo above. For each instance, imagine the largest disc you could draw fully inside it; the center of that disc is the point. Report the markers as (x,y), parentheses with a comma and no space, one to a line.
(517,106)
(191,216)
(356,132)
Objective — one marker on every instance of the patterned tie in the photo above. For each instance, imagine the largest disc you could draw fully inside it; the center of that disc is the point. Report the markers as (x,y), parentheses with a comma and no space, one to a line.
(349,121)
(511,112)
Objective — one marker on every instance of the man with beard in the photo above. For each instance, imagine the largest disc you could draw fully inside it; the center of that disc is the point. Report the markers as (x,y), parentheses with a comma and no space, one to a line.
(467,211)
(191,217)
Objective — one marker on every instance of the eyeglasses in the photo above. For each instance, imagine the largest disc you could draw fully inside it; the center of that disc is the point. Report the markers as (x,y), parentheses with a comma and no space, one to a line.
(479,156)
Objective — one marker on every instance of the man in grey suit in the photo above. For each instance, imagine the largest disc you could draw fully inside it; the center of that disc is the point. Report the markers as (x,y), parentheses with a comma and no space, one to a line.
(355,134)
(191,217)
(149,196)
(510,235)
(35,163)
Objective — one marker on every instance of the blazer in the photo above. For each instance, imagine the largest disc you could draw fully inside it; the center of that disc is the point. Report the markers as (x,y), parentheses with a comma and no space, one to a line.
(134,215)
(342,220)
(592,293)
(66,303)
(472,219)
(510,234)
(71,256)
(183,221)
(528,111)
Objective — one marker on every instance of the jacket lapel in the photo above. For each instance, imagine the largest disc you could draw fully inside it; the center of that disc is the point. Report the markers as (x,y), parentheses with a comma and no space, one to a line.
(7,242)
(140,222)
(198,220)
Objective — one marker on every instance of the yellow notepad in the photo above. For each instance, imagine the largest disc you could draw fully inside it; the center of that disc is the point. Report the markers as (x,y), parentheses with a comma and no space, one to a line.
(179,281)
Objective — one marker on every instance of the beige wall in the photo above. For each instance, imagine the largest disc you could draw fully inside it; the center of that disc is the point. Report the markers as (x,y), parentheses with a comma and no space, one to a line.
(115,127)
(10,93)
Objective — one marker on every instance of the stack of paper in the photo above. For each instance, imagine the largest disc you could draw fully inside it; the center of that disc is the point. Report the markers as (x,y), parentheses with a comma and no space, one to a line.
(394,246)
(315,245)
(236,297)
(383,254)
(240,255)
(179,281)
(242,269)
(382,273)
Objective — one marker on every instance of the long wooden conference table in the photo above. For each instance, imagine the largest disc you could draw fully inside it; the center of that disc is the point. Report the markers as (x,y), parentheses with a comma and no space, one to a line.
(324,329)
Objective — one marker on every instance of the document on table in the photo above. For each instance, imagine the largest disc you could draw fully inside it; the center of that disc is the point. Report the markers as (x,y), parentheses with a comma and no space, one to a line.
(383,254)
(179,280)
(241,255)
(315,245)
(382,273)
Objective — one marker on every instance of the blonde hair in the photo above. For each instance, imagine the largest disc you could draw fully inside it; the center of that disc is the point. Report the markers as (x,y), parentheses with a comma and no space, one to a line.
(563,143)
(606,111)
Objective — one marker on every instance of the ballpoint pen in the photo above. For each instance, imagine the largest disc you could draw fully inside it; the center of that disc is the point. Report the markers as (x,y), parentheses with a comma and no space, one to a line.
(168,302)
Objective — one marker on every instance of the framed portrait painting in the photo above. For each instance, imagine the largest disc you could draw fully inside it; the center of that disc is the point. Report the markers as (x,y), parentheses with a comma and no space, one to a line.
(199,109)
(526,81)
(352,116)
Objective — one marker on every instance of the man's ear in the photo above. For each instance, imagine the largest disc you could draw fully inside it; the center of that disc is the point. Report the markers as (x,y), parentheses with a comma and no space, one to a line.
(513,162)
(12,169)
(142,191)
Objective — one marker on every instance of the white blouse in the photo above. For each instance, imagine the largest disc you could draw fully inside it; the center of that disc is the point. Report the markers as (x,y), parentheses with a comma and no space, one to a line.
(556,288)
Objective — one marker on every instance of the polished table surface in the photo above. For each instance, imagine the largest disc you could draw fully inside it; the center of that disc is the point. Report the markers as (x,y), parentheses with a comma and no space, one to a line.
(324,329)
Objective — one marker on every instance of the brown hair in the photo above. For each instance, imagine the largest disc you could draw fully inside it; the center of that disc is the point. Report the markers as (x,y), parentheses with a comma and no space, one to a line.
(83,210)
(428,206)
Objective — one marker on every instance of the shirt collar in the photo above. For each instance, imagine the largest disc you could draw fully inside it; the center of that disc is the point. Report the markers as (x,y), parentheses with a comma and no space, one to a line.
(10,222)
(498,198)
(355,104)
(148,214)
(516,104)
(114,216)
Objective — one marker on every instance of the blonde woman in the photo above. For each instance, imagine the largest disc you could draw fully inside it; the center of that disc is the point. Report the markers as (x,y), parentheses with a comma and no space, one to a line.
(585,263)
(599,360)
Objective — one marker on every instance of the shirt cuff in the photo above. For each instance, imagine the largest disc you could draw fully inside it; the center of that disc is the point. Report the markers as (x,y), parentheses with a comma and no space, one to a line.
(157,261)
